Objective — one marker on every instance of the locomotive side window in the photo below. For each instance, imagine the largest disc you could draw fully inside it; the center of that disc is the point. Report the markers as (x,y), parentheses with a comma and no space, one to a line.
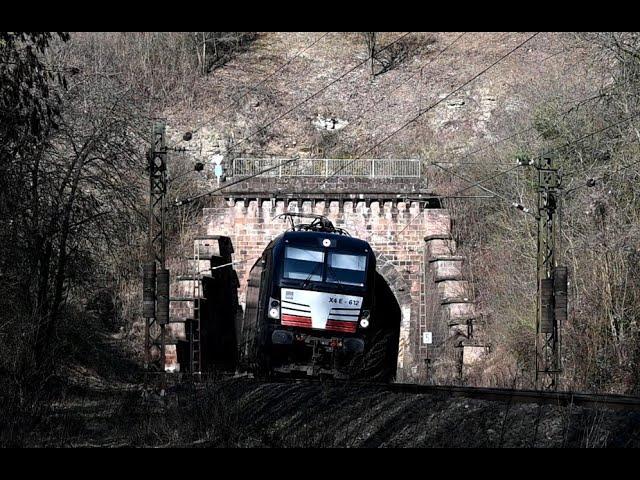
(303,264)
(346,269)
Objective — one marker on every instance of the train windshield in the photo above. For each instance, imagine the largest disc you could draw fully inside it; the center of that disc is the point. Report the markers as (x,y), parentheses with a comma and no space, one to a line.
(346,269)
(303,264)
(309,265)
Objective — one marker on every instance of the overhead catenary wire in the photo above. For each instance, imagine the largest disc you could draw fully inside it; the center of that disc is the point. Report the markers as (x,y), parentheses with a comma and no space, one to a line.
(591,134)
(317,92)
(576,104)
(433,105)
(415,118)
(600,177)
(515,134)
(386,97)
(377,102)
(422,112)
(555,149)
(190,199)
(477,184)
(406,80)
(283,66)
(338,79)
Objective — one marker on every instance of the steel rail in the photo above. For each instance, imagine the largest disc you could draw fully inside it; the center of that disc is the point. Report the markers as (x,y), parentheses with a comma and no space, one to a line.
(608,401)
(560,398)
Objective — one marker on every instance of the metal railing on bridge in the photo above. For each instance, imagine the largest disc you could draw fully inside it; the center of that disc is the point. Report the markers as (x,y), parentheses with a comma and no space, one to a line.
(327,167)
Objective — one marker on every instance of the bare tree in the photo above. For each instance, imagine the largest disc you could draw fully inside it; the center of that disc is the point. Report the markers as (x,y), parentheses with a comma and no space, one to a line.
(370,39)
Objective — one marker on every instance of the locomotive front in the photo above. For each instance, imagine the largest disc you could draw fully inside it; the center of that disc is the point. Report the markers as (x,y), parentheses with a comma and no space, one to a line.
(319,306)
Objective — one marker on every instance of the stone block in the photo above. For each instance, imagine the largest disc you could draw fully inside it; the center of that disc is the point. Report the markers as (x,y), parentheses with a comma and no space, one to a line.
(459,313)
(454,289)
(446,270)
(460,331)
(436,222)
(440,248)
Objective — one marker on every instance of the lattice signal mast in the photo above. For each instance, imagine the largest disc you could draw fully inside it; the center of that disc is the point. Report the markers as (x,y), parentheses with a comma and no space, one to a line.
(156,276)
(551,279)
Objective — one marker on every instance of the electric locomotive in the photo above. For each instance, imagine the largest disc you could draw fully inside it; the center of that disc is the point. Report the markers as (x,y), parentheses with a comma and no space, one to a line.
(309,303)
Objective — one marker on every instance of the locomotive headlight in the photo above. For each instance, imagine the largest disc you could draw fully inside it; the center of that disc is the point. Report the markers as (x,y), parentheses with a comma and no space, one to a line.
(274,309)
(364,318)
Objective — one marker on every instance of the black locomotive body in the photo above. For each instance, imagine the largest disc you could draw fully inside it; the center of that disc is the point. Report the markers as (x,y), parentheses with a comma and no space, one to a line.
(309,305)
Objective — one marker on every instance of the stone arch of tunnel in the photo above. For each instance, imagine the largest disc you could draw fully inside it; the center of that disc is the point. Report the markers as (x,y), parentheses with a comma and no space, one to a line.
(393,309)
(416,260)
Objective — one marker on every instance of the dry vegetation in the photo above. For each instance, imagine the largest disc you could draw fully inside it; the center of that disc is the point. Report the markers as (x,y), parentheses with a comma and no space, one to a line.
(74,119)
(599,235)
(243,413)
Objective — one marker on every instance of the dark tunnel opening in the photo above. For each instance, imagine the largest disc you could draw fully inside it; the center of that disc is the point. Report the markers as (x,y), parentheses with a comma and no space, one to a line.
(383,350)
(218,313)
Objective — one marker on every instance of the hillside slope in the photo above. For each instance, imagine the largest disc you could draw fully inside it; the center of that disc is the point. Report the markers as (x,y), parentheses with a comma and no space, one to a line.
(226,108)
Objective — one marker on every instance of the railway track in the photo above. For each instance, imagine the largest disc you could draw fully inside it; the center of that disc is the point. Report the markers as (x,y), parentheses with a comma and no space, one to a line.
(592,401)
(585,400)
